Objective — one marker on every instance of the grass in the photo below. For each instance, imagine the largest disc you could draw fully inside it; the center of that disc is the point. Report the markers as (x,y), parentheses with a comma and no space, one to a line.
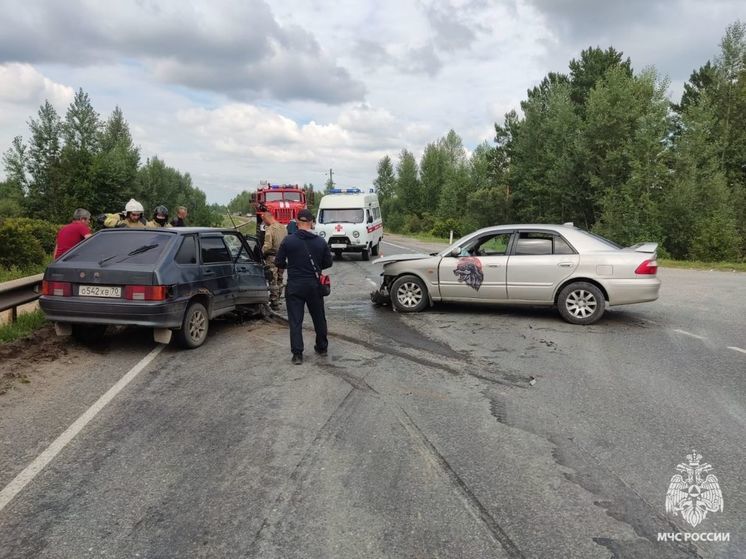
(697,265)
(237,220)
(7,274)
(426,237)
(26,323)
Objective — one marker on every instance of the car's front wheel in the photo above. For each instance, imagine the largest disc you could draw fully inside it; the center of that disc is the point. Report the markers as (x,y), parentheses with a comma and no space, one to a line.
(409,294)
(366,254)
(581,303)
(193,331)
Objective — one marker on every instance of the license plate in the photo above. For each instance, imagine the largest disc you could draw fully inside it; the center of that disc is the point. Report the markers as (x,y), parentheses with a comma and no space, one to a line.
(338,245)
(99,291)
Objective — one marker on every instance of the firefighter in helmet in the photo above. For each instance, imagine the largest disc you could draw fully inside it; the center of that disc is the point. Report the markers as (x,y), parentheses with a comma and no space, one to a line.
(160,217)
(132,216)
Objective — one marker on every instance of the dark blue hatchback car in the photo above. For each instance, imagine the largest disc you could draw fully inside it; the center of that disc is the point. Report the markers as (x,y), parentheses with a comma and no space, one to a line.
(173,280)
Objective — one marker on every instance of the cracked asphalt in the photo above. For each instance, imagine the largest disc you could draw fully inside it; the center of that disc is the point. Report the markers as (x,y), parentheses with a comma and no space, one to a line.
(457,432)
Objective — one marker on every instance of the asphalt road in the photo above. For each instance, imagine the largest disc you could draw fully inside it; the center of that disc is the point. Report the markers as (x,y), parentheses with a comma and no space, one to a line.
(417,436)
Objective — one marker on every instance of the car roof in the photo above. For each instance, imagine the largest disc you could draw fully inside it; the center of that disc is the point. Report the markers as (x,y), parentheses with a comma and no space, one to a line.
(169,230)
(578,237)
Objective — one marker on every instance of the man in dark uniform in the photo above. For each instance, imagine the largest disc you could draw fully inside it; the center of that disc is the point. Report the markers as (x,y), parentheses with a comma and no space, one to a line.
(295,255)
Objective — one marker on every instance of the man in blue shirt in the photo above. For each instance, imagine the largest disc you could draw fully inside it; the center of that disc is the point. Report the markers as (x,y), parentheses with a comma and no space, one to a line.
(304,255)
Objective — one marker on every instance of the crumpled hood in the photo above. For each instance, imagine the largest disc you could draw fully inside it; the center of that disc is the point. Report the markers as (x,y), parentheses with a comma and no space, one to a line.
(400,258)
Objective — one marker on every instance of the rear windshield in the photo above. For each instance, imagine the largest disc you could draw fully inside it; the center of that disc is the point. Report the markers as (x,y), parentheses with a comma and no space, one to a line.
(341,216)
(603,240)
(147,247)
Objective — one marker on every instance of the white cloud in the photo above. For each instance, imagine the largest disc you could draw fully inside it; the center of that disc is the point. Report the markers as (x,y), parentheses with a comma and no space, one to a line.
(22,84)
(234,91)
(236,48)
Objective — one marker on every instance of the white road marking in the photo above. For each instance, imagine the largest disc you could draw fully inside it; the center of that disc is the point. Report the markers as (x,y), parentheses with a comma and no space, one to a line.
(30,472)
(689,334)
(737,349)
(397,246)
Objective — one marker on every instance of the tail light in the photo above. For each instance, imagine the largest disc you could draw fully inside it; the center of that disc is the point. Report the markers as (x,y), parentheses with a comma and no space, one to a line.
(56,288)
(648,268)
(145,292)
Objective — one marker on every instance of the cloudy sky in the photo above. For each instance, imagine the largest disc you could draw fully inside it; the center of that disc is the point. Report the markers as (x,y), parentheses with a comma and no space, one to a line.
(235,91)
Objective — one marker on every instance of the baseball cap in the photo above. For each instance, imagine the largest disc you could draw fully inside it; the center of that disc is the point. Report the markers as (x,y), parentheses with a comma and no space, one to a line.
(305,215)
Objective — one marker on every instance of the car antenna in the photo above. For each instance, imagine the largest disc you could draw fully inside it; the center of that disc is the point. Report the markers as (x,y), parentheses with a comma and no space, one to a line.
(231,218)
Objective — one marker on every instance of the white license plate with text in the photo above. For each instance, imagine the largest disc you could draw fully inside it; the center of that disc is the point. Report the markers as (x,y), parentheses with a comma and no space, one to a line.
(338,245)
(99,291)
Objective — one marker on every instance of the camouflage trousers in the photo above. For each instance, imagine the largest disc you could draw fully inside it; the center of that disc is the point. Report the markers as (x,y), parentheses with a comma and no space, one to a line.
(274,277)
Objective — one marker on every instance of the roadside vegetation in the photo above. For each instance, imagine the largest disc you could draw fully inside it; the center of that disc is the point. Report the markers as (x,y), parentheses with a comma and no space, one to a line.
(23,326)
(600,146)
(80,160)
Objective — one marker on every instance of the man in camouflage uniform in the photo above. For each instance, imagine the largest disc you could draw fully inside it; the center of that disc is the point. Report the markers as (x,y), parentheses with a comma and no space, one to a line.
(274,233)
(132,216)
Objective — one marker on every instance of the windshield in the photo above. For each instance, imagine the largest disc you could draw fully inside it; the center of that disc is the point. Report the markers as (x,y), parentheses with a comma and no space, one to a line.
(351,215)
(277,196)
(601,239)
(129,245)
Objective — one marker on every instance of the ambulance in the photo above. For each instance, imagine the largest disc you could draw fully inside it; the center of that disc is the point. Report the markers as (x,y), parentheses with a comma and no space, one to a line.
(350,221)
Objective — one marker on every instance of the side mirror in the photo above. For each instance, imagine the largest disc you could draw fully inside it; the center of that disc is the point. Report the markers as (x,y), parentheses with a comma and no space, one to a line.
(456,252)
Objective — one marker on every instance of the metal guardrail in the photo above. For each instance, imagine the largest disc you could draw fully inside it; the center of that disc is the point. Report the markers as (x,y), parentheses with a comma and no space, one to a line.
(19,292)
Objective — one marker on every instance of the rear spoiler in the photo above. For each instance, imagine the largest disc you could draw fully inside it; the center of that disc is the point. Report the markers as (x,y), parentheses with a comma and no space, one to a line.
(643,247)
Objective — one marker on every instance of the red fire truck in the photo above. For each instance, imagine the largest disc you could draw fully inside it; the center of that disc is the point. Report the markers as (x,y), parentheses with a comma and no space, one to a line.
(283,200)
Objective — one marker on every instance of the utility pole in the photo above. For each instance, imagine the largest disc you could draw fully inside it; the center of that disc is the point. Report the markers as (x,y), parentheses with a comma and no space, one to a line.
(330,183)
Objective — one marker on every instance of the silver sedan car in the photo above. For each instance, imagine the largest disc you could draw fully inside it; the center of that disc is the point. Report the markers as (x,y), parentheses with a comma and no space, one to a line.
(553,265)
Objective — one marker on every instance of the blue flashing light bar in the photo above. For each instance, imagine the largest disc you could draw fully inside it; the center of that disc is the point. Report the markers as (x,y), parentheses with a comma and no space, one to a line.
(345,191)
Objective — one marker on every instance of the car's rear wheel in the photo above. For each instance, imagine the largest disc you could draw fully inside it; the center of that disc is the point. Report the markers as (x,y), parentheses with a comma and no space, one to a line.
(88,333)
(581,303)
(409,294)
(193,331)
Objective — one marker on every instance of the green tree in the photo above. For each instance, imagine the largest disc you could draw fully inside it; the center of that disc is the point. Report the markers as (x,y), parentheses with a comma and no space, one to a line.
(408,187)
(627,118)
(699,220)
(433,175)
(45,198)
(590,68)
(385,182)
(240,203)
(486,203)
(157,184)
(13,189)
(114,167)
(545,161)
(701,81)
(81,144)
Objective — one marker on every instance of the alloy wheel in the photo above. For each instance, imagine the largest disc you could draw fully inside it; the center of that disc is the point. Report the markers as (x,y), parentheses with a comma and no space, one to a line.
(409,294)
(581,303)
(197,325)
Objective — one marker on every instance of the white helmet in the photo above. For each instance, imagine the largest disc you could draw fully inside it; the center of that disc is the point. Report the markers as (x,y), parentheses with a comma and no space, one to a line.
(134,206)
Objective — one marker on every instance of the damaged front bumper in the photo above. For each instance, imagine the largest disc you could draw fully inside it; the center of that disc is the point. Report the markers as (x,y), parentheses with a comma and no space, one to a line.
(382,295)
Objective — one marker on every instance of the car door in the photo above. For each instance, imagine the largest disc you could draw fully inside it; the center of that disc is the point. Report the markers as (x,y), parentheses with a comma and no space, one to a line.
(539,261)
(250,277)
(478,271)
(218,273)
